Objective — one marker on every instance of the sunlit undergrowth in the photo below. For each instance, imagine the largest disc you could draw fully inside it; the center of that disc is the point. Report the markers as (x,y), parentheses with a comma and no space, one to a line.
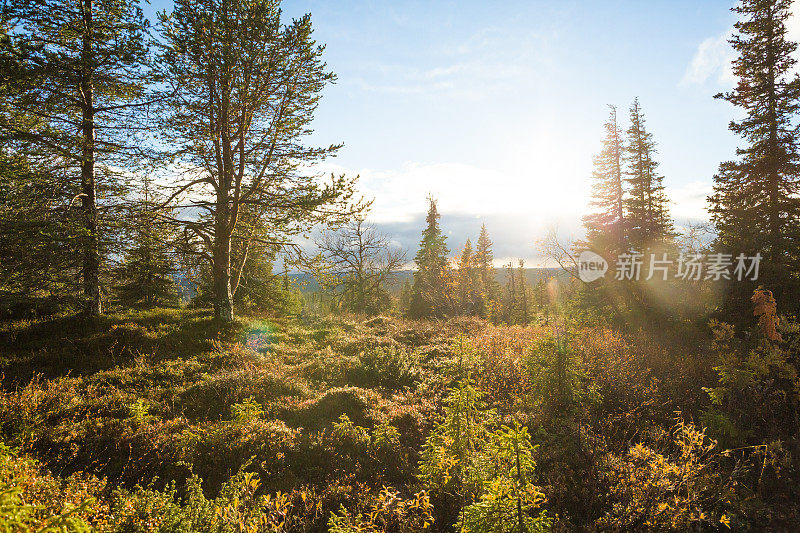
(166,421)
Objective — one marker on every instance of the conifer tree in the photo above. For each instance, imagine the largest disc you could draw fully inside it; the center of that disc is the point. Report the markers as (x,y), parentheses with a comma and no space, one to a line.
(242,88)
(82,75)
(605,227)
(484,263)
(648,219)
(147,271)
(755,206)
(429,292)
(467,282)
(524,314)
(511,303)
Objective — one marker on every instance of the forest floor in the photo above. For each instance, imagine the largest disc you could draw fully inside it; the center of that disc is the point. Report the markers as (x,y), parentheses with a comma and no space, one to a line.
(165,398)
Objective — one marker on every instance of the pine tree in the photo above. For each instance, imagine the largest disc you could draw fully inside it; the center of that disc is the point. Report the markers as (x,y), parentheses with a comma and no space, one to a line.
(484,263)
(648,219)
(82,76)
(237,78)
(755,206)
(605,227)
(429,293)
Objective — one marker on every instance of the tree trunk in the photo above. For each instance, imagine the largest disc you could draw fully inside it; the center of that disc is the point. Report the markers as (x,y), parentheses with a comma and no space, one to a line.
(91,245)
(223,297)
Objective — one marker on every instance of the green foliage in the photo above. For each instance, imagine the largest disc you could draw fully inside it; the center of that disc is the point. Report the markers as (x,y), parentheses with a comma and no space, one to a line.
(37,257)
(31,500)
(16,516)
(449,458)
(389,512)
(556,377)
(429,297)
(237,509)
(386,366)
(247,411)
(510,502)
(146,275)
(483,476)
(755,393)
(139,411)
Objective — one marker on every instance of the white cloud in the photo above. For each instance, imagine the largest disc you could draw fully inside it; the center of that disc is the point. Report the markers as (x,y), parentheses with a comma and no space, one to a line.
(689,201)
(529,192)
(491,61)
(713,57)
(712,60)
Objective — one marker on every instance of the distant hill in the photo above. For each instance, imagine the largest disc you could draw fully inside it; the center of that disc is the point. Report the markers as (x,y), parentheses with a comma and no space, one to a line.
(533,275)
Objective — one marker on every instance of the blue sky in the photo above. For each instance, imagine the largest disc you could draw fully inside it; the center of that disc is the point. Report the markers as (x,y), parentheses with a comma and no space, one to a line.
(496,108)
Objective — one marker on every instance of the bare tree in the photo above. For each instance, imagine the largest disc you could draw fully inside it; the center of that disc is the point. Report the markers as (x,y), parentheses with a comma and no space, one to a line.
(357,264)
(563,253)
(695,237)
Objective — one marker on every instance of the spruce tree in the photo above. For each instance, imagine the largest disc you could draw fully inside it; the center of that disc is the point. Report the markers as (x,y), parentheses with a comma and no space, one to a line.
(605,227)
(648,219)
(429,292)
(755,206)
(146,274)
(467,282)
(484,263)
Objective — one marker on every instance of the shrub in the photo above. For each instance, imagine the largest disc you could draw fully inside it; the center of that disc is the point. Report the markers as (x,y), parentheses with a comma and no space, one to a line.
(389,512)
(661,490)
(31,499)
(387,367)
(358,404)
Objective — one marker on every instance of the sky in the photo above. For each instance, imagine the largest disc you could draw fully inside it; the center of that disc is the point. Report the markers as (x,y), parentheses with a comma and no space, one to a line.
(496,108)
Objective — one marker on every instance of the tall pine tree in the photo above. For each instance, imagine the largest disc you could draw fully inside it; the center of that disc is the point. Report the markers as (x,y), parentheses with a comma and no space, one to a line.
(755,206)
(429,293)
(648,218)
(242,88)
(605,227)
(82,75)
